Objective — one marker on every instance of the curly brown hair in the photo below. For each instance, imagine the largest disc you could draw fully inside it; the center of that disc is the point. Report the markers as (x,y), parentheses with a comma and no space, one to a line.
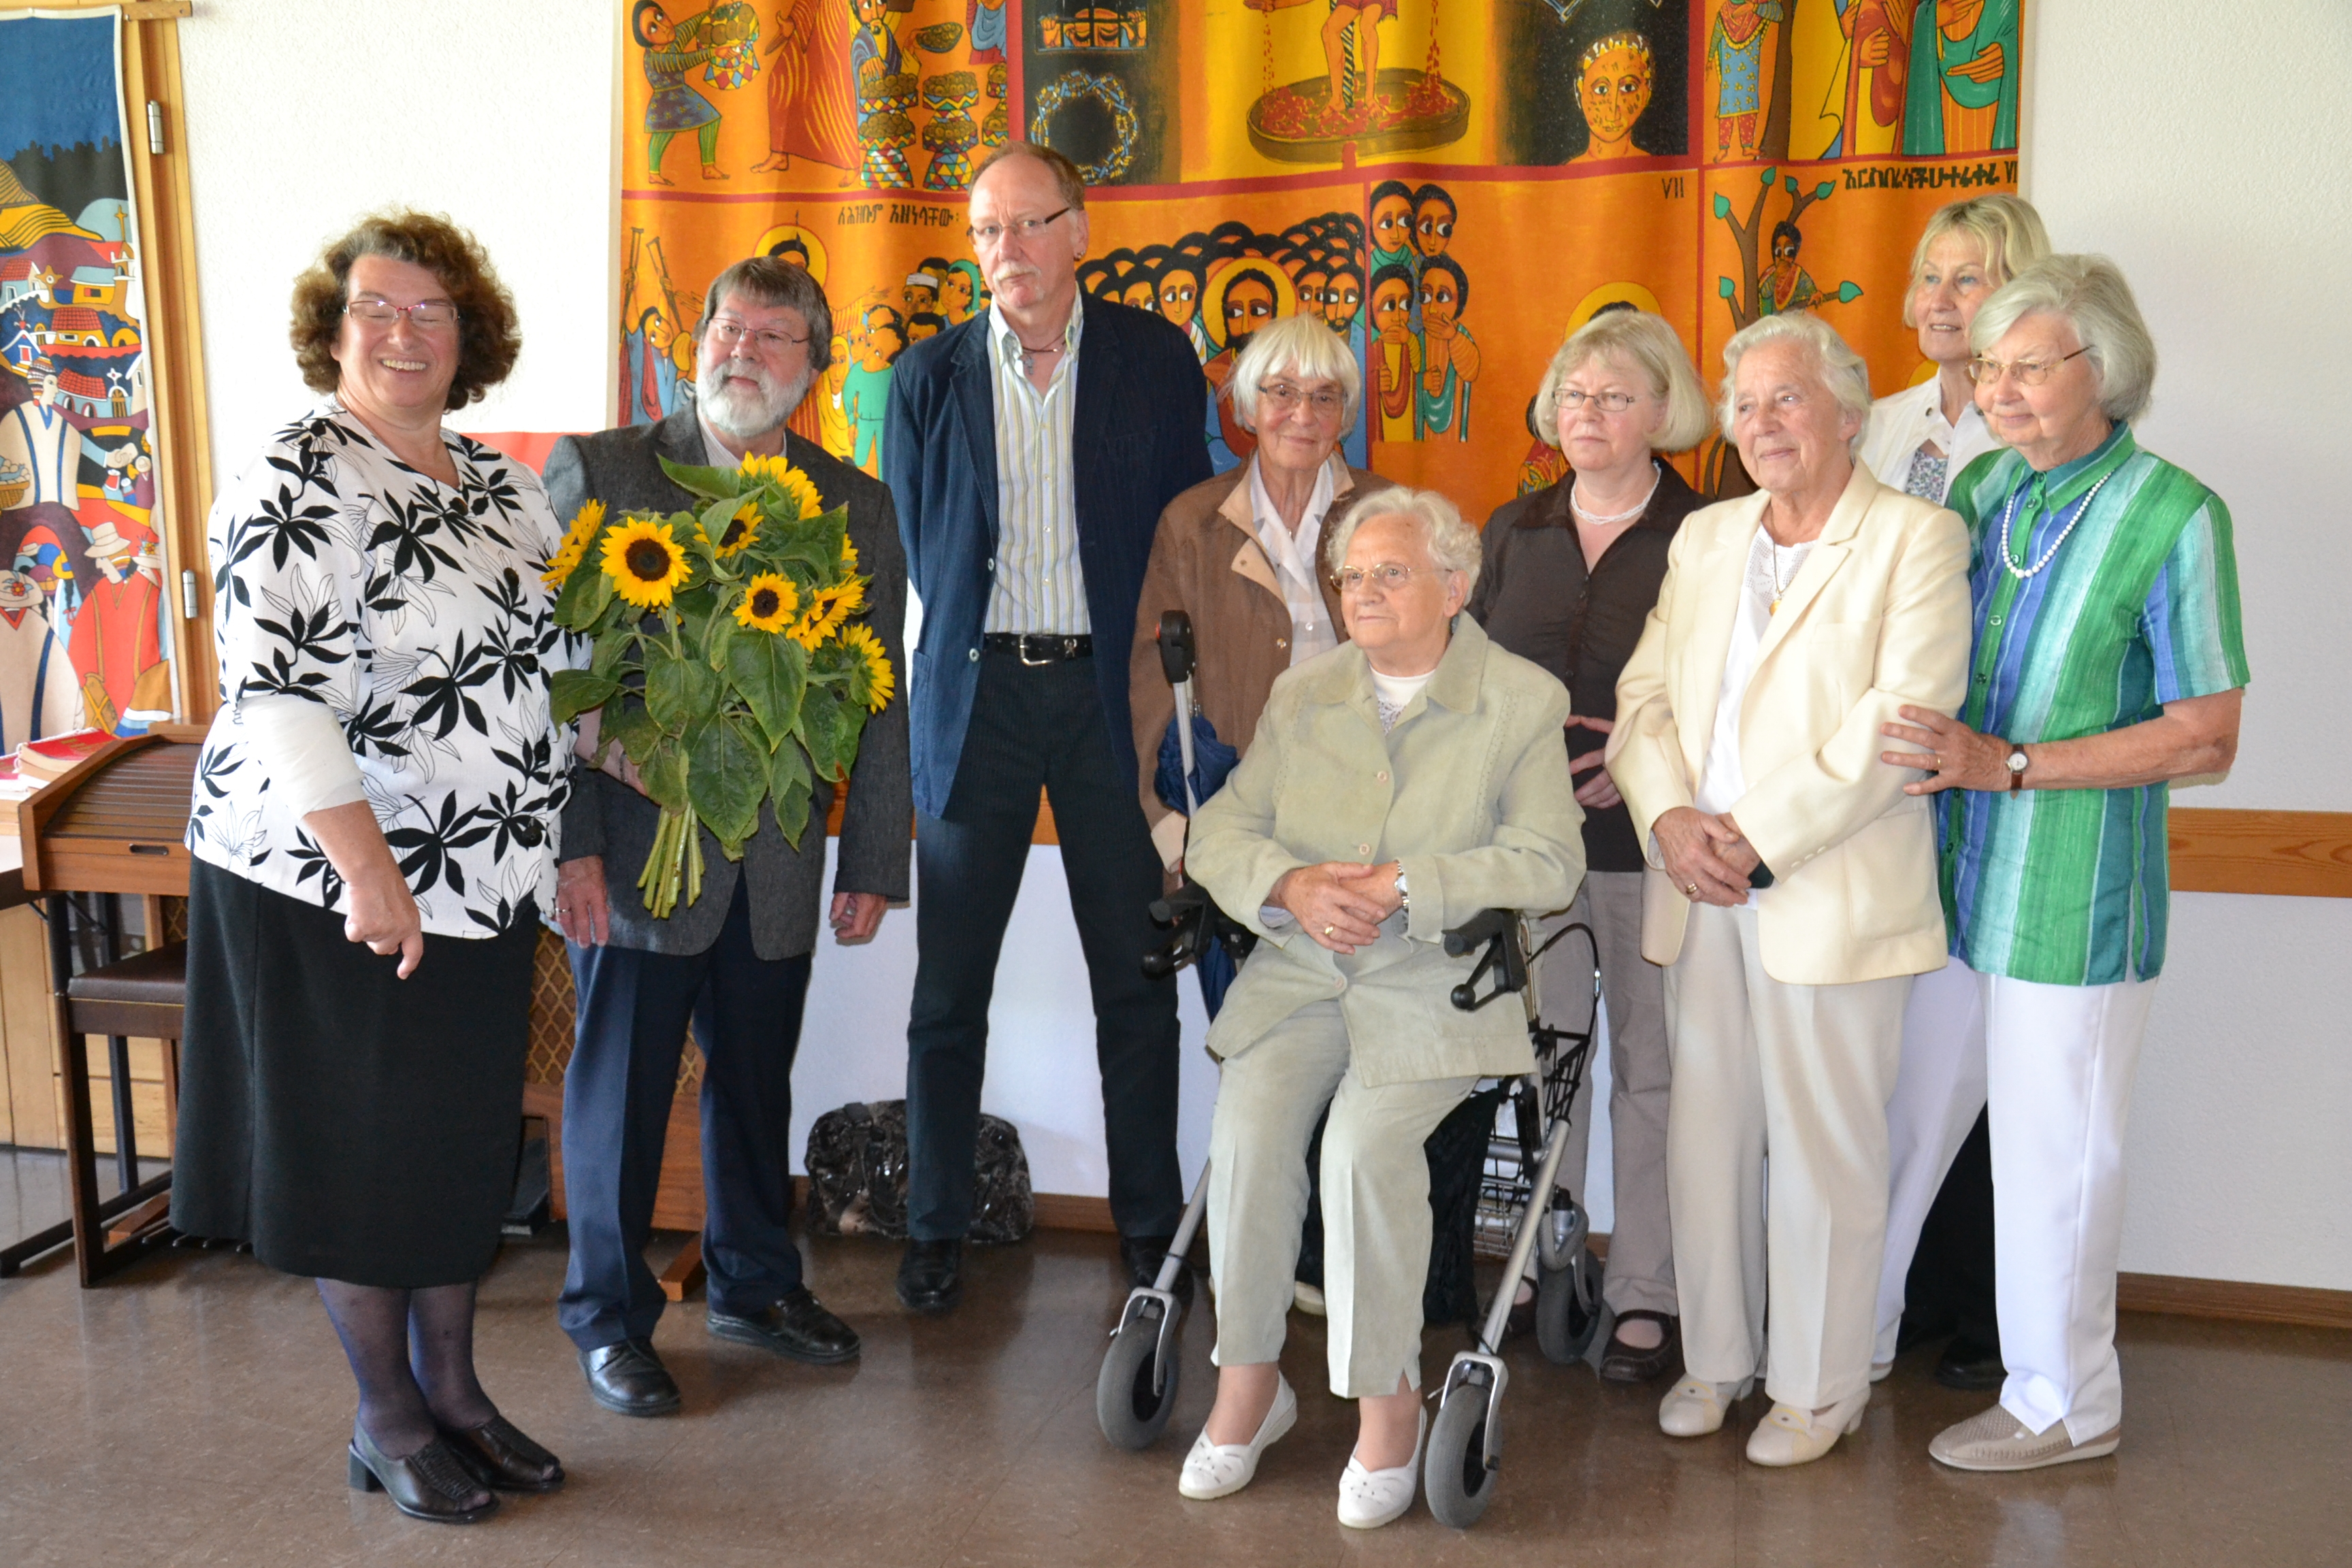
(488,339)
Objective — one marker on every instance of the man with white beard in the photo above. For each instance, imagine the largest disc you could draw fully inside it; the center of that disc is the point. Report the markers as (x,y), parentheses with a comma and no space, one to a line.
(736,961)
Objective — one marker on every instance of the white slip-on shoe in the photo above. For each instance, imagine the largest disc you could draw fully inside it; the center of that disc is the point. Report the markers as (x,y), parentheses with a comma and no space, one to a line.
(1792,1437)
(1308,1300)
(1369,1499)
(1879,1370)
(1693,1407)
(1211,1471)
(1996,1440)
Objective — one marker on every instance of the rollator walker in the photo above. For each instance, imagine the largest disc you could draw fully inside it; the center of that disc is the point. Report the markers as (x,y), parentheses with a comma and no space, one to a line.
(1135,1390)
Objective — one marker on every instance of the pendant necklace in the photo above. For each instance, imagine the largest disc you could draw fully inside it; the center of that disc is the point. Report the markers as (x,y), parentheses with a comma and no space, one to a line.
(1780,589)
(2009,511)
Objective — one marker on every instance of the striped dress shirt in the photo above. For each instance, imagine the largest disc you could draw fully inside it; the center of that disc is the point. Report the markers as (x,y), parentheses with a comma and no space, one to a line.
(1038,584)
(2138,608)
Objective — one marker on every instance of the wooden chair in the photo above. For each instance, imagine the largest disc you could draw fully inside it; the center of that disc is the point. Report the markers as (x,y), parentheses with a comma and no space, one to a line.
(114,825)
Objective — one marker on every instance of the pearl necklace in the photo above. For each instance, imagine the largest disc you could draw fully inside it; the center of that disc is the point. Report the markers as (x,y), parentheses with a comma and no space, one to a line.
(2009,511)
(1656,477)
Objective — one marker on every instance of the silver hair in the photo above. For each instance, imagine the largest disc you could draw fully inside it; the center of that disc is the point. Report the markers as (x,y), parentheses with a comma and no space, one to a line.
(1634,340)
(1453,543)
(1298,345)
(2089,294)
(780,285)
(1840,370)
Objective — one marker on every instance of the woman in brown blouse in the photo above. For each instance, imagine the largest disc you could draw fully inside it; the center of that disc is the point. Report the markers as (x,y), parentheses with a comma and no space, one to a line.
(1570,574)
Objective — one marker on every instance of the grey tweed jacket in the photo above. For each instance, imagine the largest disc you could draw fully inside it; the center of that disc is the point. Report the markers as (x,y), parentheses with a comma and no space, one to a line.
(786,886)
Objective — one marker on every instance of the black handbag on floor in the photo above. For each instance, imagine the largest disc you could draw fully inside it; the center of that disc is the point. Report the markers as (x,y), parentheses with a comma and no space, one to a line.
(857,1175)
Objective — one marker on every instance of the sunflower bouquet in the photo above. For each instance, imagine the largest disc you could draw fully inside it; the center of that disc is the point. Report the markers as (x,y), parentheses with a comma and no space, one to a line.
(729,665)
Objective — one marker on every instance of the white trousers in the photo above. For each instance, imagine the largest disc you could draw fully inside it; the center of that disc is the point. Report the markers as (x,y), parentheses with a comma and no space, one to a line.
(2061,1060)
(1939,1091)
(1800,1073)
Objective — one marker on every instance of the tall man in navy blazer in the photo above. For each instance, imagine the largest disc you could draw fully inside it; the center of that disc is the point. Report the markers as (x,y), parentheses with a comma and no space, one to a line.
(1030,451)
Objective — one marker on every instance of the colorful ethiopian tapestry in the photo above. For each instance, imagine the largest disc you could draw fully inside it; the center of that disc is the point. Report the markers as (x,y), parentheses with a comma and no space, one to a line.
(1451,186)
(82,609)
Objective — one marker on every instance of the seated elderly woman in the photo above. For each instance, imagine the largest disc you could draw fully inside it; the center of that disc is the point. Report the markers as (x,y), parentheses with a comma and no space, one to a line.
(1398,785)
(2109,660)
(1792,889)
(1237,552)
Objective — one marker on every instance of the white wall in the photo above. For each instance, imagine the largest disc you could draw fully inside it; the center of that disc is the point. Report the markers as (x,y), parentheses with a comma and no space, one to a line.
(2205,156)
(303,115)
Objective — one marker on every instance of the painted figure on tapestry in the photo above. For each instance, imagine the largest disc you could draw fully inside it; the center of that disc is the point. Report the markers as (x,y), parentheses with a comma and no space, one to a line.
(1878,58)
(1179,301)
(985,23)
(1962,94)
(1735,50)
(37,438)
(921,289)
(1353,27)
(1396,353)
(673,105)
(1392,225)
(1433,215)
(962,295)
(874,50)
(866,391)
(649,374)
(925,324)
(117,645)
(1243,301)
(812,102)
(1785,286)
(1613,87)
(1449,354)
(38,694)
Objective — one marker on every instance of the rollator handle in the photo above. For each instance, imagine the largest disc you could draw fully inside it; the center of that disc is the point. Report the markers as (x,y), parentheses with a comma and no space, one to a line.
(1177,654)
(1193,920)
(1499,931)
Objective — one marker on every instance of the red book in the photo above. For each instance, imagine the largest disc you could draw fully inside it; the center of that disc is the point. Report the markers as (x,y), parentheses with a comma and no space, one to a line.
(54,755)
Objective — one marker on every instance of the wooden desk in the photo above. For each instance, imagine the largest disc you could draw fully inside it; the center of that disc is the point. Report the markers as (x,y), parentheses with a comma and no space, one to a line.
(111,825)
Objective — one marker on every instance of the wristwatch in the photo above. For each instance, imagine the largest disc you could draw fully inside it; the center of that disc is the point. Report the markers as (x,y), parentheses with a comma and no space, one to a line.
(1404,899)
(2018,763)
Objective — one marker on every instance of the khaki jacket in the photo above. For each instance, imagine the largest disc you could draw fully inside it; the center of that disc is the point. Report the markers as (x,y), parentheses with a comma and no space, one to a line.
(1469,793)
(1877,618)
(1206,560)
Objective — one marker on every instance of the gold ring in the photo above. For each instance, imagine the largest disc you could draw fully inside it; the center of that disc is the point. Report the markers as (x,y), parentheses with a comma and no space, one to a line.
(1329,930)
(1691,890)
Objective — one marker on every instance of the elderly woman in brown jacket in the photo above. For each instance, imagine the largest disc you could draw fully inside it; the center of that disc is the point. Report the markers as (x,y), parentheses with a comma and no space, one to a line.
(1238,552)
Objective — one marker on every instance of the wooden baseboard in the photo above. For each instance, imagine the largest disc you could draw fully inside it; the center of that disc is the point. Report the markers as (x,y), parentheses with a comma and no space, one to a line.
(2300,854)
(2235,1301)
(1066,1211)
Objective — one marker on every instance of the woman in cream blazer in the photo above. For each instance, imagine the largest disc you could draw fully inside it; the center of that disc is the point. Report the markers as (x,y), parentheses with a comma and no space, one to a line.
(1791,893)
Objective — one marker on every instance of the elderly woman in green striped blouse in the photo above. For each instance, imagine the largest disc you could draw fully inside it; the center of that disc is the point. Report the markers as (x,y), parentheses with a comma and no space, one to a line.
(2109,662)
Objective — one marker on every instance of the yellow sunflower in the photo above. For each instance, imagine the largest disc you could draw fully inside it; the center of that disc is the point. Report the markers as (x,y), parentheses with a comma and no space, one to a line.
(644,561)
(768,603)
(799,489)
(742,529)
(881,682)
(585,524)
(848,554)
(828,608)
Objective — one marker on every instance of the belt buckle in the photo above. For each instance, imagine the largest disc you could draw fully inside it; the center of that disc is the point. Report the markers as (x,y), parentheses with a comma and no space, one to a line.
(1022,648)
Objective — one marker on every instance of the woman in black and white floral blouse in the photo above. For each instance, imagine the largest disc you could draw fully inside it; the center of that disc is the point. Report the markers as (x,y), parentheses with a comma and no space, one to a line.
(374,831)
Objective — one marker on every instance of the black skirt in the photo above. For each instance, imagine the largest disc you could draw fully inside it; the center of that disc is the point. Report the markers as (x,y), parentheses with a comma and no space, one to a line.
(349,1124)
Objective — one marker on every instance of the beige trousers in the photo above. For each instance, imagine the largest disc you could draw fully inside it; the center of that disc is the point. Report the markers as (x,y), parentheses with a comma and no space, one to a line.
(1641,1273)
(1800,1073)
(1376,1228)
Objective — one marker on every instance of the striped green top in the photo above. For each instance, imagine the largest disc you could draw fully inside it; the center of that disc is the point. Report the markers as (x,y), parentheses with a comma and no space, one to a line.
(2138,608)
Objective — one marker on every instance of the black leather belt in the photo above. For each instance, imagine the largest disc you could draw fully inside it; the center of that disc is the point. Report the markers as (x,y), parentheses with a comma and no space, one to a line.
(1040,647)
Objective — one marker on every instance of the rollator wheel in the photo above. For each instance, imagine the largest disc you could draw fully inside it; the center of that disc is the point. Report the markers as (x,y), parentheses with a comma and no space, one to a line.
(1568,1308)
(1454,1473)
(1131,1416)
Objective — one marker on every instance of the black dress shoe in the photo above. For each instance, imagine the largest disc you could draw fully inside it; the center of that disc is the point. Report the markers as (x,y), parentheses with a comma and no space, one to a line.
(431,1484)
(628,1379)
(501,1456)
(931,1277)
(1622,1363)
(1143,1254)
(798,1327)
(1971,1365)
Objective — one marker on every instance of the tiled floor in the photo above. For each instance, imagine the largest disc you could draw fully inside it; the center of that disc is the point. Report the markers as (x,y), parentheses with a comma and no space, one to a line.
(194,1412)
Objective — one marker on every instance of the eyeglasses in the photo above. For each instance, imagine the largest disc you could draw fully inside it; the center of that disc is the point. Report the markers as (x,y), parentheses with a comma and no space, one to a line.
(1328,402)
(1385,576)
(430,315)
(726,332)
(988,235)
(1571,400)
(2030,372)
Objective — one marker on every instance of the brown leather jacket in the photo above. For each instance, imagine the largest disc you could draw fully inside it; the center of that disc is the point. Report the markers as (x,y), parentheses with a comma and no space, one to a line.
(1206,560)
